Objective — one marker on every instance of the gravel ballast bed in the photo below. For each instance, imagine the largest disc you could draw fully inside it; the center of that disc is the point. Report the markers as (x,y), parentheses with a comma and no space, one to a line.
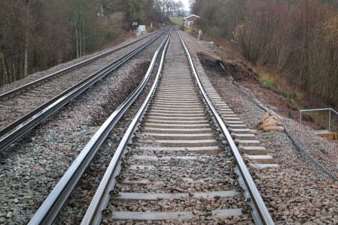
(168,173)
(295,192)
(31,168)
(84,192)
(23,103)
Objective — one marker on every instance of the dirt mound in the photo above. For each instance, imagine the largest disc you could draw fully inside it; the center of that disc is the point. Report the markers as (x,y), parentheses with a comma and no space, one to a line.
(237,69)
(270,123)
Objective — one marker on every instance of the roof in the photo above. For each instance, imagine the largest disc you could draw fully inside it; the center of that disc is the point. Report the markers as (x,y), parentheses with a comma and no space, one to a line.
(191,17)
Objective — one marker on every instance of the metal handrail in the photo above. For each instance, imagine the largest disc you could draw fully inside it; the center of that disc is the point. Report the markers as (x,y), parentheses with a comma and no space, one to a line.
(330,110)
(52,205)
(101,198)
(70,68)
(23,125)
(263,213)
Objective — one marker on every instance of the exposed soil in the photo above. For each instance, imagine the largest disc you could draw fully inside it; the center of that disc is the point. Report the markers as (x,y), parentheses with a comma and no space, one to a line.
(246,76)
(238,70)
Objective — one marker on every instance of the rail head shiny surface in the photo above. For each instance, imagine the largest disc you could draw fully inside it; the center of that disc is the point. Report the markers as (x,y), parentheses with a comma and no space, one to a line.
(264,214)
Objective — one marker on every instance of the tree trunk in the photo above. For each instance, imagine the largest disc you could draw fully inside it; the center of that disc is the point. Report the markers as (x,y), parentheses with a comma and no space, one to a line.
(80,41)
(83,39)
(77,42)
(3,70)
(13,72)
(25,73)
(26,58)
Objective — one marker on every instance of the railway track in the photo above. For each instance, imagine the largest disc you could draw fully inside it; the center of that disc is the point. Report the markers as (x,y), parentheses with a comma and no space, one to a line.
(42,107)
(34,83)
(183,165)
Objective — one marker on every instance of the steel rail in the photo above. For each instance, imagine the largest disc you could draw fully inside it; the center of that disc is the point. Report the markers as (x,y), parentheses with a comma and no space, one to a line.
(69,68)
(54,202)
(263,213)
(101,198)
(26,123)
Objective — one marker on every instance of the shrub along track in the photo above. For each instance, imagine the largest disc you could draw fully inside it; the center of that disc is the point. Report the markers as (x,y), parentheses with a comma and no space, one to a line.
(177,168)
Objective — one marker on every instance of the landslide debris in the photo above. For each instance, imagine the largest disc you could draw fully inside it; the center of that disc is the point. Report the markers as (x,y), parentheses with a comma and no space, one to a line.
(237,69)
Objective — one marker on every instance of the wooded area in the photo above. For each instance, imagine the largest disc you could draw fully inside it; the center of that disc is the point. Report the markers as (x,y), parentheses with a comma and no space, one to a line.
(297,37)
(37,34)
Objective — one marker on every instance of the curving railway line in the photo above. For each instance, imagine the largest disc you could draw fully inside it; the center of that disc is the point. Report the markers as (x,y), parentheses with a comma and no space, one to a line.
(22,112)
(177,161)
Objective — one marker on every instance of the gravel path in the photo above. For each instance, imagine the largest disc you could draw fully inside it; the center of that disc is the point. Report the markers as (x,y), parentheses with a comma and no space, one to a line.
(296,192)
(30,169)
(17,106)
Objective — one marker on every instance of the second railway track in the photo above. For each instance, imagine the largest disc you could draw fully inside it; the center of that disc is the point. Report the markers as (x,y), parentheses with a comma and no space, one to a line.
(31,84)
(26,112)
(183,166)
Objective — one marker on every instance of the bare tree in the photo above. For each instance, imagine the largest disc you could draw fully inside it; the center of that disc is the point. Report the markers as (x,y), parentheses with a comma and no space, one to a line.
(296,37)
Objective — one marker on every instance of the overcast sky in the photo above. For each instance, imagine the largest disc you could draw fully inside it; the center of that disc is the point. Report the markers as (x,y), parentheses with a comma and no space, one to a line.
(186,3)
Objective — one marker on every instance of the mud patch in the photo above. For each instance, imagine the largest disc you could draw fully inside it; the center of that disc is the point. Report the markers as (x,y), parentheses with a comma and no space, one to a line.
(238,70)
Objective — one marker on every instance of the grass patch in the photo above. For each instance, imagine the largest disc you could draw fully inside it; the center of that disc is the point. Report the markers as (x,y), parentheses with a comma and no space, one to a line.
(267,80)
(268,84)
(274,82)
